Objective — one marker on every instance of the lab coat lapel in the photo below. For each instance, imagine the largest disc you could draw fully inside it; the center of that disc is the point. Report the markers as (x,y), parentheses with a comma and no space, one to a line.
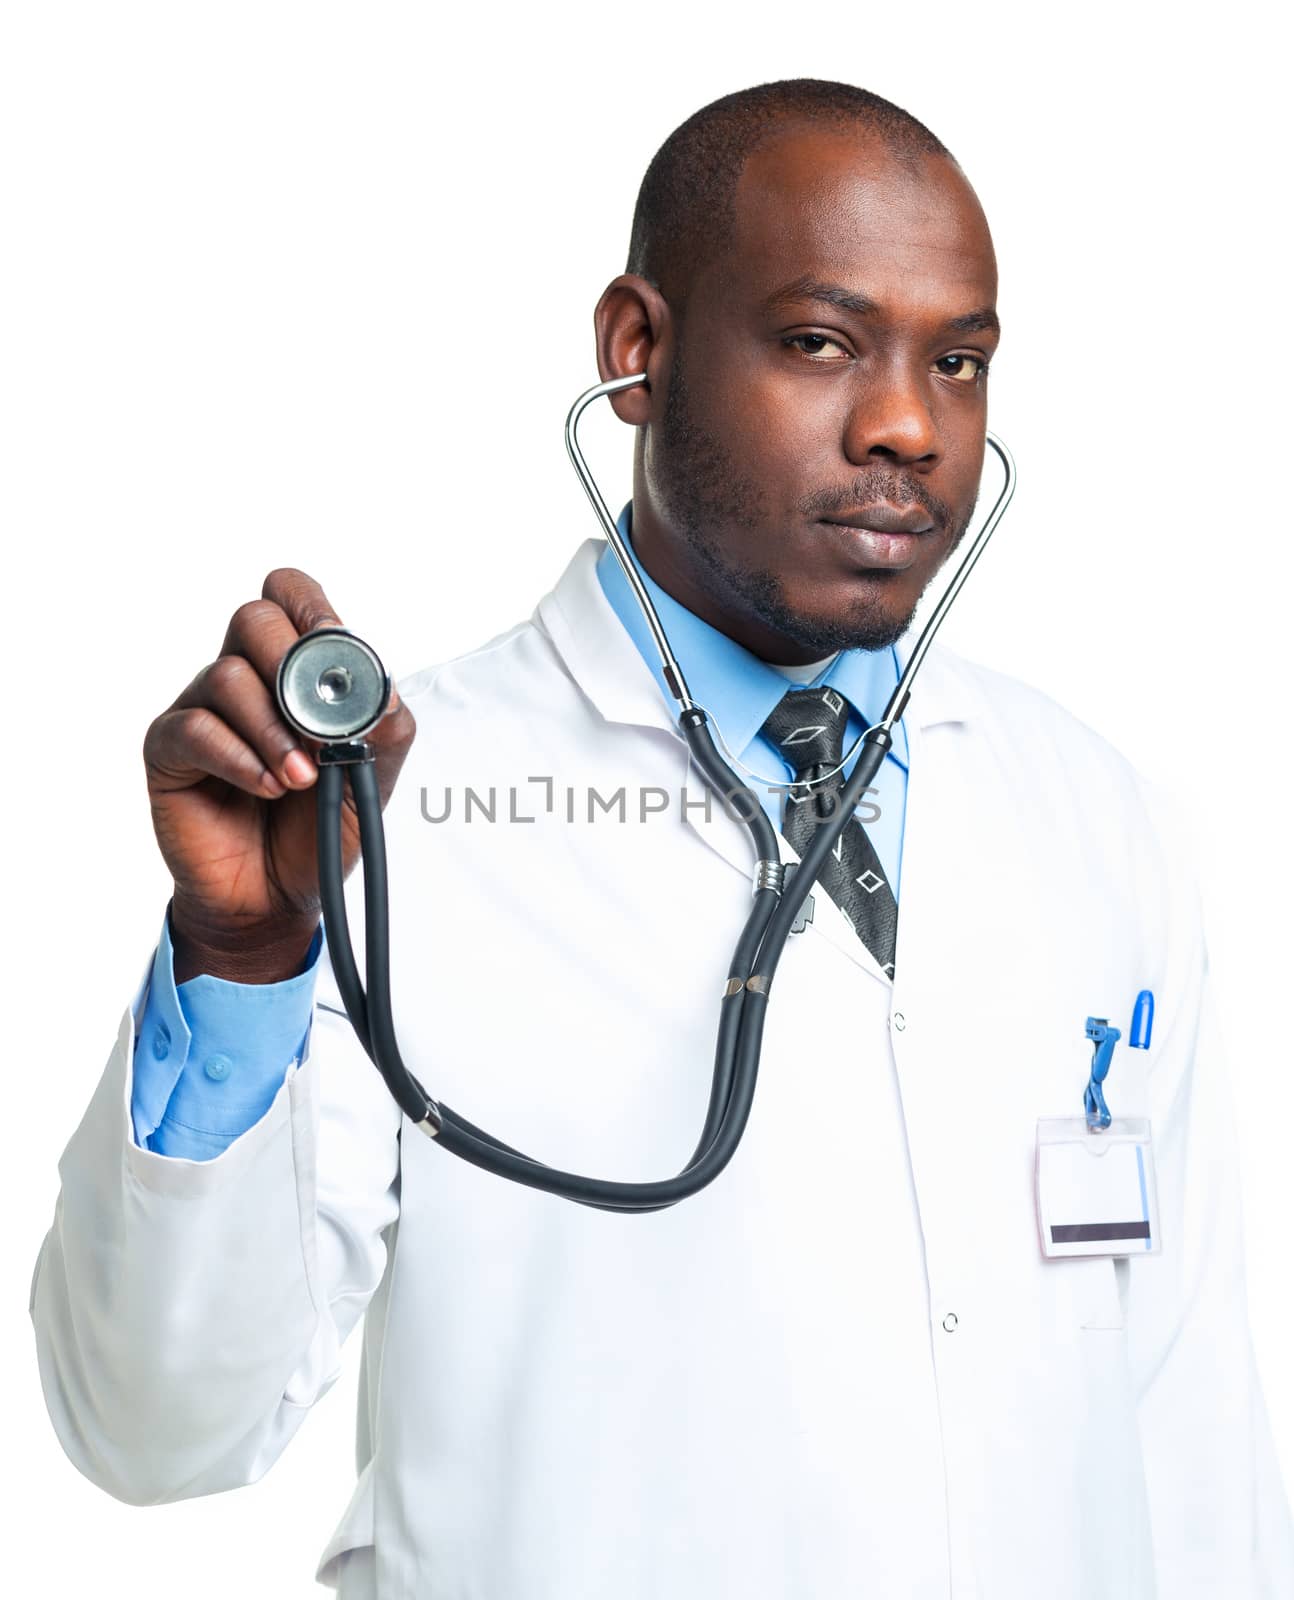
(607,666)
(597,651)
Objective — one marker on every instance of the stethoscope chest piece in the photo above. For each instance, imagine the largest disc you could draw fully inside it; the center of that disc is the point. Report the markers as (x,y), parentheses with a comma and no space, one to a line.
(332,686)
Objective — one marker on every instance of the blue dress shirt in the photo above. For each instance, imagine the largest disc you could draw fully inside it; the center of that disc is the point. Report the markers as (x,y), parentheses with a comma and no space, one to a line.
(211,1055)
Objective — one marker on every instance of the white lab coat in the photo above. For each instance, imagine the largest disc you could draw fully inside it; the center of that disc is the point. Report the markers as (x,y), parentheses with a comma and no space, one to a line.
(842,1369)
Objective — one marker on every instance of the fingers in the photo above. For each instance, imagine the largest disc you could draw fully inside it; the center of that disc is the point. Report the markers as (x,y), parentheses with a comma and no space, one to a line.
(261,636)
(186,745)
(261,633)
(303,601)
(263,630)
(233,689)
(396,729)
(227,723)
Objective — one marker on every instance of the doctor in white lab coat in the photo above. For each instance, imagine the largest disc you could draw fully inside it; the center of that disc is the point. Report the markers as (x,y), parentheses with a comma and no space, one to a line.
(845,1367)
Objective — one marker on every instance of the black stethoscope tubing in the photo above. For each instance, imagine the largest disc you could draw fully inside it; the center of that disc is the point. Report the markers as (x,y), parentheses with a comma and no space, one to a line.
(742,1008)
(754,962)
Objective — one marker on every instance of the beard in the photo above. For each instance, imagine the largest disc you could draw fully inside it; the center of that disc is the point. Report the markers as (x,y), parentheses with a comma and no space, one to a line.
(700,490)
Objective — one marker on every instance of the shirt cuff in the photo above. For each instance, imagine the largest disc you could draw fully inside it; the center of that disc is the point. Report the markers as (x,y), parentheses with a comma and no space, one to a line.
(211,1055)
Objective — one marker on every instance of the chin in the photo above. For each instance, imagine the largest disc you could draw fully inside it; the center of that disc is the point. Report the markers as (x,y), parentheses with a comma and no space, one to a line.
(825,635)
(870,621)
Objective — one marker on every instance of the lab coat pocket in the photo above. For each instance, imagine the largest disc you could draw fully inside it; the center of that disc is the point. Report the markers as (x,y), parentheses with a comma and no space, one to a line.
(1099,1295)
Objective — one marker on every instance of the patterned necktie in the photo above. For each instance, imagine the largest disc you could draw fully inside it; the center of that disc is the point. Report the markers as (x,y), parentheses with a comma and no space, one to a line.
(808,727)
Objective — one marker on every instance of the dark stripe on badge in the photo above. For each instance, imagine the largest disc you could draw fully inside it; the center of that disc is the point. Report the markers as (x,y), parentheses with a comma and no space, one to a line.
(1082,1232)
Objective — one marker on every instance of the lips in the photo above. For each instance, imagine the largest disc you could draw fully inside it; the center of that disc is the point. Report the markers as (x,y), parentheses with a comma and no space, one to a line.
(881,537)
(885,518)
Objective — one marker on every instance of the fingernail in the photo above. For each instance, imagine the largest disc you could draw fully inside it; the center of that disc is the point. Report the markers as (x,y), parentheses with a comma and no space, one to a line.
(298,767)
(272,784)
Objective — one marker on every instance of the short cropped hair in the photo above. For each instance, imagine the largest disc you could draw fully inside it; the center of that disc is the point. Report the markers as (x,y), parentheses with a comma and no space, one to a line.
(686,207)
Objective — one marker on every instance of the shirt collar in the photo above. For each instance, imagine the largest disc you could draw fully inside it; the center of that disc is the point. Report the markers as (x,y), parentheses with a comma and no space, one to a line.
(736,688)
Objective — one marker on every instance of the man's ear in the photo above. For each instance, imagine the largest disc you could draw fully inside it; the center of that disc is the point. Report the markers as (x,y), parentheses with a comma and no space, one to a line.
(634,332)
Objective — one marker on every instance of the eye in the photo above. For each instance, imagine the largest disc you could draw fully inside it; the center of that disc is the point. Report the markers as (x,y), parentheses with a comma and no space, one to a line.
(815,345)
(965,369)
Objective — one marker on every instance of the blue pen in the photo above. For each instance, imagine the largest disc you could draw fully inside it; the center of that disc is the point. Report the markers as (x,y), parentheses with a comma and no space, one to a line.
(1143,1019)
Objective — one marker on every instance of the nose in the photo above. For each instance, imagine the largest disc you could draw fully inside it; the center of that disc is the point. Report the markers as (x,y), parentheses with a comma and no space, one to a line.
(890,419)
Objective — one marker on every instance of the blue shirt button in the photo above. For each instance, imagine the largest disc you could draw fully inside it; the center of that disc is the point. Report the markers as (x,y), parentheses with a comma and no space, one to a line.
(161,1041)
(217,1068)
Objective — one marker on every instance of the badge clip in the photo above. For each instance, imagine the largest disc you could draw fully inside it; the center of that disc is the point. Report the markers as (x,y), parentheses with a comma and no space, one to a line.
(1095,1175)
(1104,1038)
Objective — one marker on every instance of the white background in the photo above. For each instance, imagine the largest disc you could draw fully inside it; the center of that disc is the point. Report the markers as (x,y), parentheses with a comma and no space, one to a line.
(313,285)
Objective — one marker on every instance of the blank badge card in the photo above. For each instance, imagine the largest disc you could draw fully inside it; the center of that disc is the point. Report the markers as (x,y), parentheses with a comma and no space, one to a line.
(1096,1190)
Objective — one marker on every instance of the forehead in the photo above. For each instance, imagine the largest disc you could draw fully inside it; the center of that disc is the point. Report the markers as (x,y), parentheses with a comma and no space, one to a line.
(843,207)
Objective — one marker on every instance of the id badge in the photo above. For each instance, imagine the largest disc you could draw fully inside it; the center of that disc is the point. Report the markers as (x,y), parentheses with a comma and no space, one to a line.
(1096,1191)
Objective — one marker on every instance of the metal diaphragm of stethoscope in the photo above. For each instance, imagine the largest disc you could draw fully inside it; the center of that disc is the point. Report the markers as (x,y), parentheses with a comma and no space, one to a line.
(333,688)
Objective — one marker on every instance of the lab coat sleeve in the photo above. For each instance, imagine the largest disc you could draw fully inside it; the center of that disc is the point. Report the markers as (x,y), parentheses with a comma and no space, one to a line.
(188,1313)
(1219,1514)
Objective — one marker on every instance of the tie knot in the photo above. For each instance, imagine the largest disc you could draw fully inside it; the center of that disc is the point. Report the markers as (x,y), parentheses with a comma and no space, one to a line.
(808,727)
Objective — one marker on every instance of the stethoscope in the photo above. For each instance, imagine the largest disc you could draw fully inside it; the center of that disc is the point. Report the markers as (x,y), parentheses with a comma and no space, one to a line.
(333,688)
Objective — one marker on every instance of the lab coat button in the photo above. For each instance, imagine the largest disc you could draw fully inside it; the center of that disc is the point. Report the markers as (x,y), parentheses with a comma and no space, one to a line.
(950,1322)
(161,1042)
(217,1068)
(899,1021)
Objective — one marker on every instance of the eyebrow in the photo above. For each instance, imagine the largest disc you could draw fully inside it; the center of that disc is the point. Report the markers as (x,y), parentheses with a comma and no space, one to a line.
(981,321)
(833,294)
(830,294)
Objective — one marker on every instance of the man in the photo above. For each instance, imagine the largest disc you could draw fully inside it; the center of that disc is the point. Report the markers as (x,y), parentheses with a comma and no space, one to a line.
(845,1367)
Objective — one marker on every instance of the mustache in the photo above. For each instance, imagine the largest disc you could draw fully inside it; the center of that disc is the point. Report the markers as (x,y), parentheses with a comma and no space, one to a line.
(875,483)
